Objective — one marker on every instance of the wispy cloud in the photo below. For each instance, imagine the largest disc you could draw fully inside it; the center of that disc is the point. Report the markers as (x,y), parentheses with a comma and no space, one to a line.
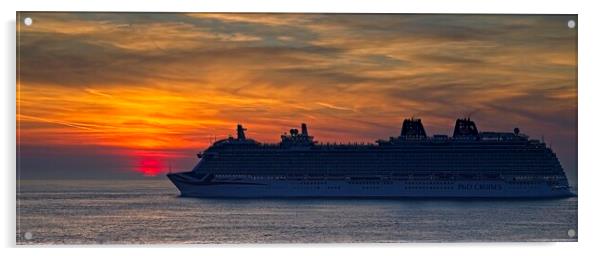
(334,107)
(171,80)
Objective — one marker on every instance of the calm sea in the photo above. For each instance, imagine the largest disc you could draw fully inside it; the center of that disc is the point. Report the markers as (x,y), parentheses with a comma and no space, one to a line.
(150,211)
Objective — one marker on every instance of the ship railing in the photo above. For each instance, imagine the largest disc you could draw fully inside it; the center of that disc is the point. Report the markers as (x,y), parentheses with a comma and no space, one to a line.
(393,176)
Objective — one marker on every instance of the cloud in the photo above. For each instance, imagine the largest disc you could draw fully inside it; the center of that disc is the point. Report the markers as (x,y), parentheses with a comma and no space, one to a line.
(141,81)
(334,107)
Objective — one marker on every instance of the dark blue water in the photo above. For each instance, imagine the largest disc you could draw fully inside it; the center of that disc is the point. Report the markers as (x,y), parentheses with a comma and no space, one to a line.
(150,211)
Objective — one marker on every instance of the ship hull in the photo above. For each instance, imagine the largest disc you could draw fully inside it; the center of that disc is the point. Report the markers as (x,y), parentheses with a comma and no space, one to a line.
(191,186)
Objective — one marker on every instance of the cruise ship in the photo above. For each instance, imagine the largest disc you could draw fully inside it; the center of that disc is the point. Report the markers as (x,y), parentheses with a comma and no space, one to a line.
(469,164)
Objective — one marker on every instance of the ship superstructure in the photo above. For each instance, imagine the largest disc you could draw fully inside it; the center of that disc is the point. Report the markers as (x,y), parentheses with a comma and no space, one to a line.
(467,164)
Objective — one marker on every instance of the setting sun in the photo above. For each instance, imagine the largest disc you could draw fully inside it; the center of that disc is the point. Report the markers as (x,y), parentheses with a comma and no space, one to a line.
(176,82)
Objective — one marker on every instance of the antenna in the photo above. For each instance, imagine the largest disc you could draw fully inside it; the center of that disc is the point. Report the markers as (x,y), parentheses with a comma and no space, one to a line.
(472,113)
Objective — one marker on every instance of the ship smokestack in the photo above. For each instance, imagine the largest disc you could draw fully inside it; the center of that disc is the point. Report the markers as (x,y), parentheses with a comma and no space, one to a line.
(412,128)
(465,128)
(304,129)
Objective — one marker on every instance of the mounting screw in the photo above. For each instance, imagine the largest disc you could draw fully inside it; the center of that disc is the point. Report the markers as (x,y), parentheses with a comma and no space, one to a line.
(571,233)
(571,24)
(28,21)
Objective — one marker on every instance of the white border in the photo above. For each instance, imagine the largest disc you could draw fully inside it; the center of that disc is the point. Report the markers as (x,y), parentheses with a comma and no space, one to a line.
(589,121)
(376,6)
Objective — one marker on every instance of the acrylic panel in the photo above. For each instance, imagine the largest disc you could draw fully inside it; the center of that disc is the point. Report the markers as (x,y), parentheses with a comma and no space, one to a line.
(174,128)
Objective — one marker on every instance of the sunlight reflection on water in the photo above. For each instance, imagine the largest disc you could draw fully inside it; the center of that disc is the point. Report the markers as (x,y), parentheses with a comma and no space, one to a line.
(149,211)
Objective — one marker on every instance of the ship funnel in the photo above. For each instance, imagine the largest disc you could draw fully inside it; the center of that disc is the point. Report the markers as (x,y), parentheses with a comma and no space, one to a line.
(304,129)
(240,132)
(465,128)
(413,128)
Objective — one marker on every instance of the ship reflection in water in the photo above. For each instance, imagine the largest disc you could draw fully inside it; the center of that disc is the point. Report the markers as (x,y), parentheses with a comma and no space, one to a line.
(147,211)
(469,164)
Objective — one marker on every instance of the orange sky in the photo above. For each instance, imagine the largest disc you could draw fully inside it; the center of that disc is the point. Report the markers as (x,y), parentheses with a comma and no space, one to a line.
(152,89)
